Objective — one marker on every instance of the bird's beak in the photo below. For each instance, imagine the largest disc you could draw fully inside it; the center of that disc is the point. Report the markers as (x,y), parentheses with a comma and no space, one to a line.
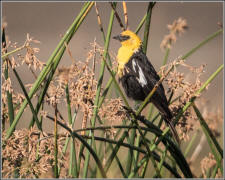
(118,37)
(121,38)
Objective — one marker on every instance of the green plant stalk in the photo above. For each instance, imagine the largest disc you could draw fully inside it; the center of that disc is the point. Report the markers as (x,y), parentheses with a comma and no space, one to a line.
(150,111)
(101,152)
(73,159)
(130,155)
(159,125)
(101,73)
(141,24)
(80,156)
(144,169)
(162,151)
(56,146)
(147,26)
(67,142)
(37,150)
(28,100)
(11,52)
(6,73)
(210,138)
(106,89)
(41,118)
(149,151)
(190,144)
(95,156)
(97,174)
(46,69)
(64,151)
(134,172)
(9,99)
(208,173)
(119,163)
(136,153)
(166,56)
(103,36)
(215,170)
(202,43)
(162,159)
(114,152)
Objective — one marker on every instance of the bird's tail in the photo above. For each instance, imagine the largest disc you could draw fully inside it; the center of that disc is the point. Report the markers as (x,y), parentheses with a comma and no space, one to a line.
(173,130)
(167,116)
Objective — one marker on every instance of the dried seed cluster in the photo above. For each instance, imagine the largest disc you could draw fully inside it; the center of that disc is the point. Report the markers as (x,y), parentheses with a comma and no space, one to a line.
(178,27)
(28,154)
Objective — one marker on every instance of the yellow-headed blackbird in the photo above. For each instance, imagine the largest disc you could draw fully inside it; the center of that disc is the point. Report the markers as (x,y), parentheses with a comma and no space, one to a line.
(138,76)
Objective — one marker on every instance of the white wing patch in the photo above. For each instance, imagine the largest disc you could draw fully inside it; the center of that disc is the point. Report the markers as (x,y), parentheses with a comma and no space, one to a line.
(134,65)
(142,80)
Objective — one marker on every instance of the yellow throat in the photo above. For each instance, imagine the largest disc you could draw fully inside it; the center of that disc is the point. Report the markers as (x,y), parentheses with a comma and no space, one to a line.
(128,48)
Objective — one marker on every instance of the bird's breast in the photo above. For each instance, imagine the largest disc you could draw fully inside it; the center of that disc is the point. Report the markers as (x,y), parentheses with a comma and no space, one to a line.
(123,57)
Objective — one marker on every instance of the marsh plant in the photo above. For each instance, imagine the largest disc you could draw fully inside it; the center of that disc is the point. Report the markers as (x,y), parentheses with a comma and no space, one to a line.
(115,139)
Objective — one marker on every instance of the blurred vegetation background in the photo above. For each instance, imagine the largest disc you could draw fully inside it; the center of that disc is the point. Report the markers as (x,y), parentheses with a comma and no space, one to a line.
(47,22)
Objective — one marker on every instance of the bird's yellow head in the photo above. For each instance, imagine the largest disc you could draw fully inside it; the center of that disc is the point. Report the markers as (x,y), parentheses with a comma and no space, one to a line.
(129,39)
(131,43)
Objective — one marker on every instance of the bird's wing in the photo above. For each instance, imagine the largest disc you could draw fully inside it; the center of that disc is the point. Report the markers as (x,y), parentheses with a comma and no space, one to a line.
(141,67)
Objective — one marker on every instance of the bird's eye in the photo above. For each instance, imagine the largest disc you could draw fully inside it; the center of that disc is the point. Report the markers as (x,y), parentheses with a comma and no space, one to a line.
(121,37)
(124,38)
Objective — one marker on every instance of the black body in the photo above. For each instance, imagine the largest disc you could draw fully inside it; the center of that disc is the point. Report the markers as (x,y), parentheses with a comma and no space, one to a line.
(139,92)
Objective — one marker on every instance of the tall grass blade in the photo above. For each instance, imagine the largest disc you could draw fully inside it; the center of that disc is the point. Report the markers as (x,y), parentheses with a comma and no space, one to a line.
(214,145)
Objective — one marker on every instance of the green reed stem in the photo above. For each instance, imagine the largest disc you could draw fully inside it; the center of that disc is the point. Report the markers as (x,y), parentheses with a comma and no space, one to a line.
(210,37)
(141,24)
(214,145)
(6,74)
